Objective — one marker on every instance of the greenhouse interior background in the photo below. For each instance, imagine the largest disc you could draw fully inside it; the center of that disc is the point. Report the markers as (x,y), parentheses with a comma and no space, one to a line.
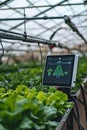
(62,23)
(31,31)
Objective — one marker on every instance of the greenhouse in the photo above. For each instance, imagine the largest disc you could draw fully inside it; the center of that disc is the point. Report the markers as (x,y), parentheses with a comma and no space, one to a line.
(43,65)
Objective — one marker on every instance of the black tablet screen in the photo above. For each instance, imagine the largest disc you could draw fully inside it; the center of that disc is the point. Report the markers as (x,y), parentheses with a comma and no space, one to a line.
(58,70)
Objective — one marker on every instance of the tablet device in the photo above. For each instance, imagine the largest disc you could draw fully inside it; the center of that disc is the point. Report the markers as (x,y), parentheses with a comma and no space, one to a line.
(60,70)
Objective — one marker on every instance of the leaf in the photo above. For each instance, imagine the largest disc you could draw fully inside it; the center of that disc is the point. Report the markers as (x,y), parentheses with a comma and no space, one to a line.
(39,127)
(26,124)
(49,112)
(51,123)
(33,116)
(2,127)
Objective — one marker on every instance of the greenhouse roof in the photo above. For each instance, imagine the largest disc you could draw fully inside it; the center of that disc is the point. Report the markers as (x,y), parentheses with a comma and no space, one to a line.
(61,21)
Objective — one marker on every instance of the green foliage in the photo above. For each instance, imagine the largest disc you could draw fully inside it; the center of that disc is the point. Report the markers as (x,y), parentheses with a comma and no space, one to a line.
(81,73)
(29,77)
(34,107)
(15,67)
(15,75)
(28,109)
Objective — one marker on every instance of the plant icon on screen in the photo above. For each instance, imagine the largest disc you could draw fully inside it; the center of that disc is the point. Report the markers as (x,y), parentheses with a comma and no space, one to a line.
(58,71)
(66,73)
(49,71)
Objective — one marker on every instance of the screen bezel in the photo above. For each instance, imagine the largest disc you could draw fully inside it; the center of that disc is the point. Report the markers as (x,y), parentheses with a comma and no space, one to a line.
(71,78)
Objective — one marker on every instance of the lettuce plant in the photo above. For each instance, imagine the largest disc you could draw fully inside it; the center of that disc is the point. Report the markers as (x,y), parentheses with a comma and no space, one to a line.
(28,109)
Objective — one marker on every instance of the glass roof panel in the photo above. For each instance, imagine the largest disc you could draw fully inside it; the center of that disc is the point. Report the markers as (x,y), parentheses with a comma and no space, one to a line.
(31,9)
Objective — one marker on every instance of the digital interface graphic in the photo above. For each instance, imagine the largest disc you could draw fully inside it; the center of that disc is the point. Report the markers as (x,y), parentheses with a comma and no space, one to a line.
(58,70)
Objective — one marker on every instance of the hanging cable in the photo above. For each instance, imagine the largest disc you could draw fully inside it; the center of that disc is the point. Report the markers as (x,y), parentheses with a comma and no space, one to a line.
(76,119)
(51,37)
(53,34)
(25,34)
(76,115)
(84,101)
(73,98)
(2,50)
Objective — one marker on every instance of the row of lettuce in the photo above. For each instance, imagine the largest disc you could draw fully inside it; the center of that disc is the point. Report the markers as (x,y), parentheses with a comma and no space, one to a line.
(25,104)
(29,109)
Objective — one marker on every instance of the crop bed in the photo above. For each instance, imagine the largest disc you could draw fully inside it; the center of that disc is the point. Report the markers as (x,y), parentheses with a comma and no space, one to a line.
(25,104)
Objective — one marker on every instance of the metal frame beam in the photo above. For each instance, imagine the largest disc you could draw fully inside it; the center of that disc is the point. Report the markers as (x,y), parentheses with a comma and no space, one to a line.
(5,2)
(59,3)
(31,18)
(43,6)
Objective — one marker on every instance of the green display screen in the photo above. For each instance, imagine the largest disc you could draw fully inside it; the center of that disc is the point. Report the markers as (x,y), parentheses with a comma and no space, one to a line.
(58,70)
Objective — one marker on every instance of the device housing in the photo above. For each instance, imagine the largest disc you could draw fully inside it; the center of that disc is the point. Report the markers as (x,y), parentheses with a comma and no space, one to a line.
(60,70)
